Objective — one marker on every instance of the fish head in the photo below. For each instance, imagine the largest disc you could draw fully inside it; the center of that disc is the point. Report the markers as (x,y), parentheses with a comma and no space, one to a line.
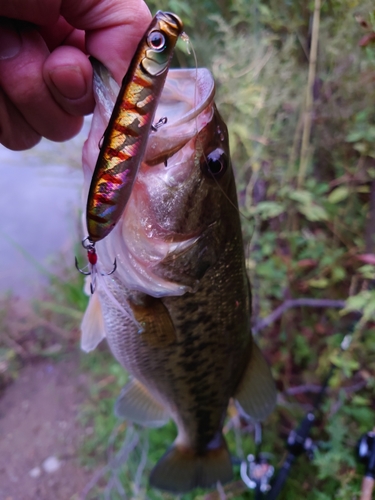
(182,209)
(184,181)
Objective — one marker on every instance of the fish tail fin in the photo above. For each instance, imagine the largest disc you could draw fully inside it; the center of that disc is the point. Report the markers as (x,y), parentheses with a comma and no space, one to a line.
(182,469)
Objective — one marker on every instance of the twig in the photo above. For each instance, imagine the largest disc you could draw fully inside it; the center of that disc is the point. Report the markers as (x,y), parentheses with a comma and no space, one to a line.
(220,490)
(294,151)
(115,461)
(305,147)
(129,444)
(369,233)
(367,488)
(94,481)
(141,467)
(302,389)
(66,335)
(288,304)
(13,344)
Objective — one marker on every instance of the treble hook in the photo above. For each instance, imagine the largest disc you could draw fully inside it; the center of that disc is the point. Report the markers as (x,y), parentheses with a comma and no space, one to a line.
(93,259)
(91,255)
(113,269)
(86,273)
(159,124)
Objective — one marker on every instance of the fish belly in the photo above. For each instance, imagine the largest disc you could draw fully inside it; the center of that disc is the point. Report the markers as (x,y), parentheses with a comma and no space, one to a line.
(192,362)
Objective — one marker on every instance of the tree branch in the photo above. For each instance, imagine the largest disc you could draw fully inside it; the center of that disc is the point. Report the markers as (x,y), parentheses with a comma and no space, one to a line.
(288,304)
(305,147)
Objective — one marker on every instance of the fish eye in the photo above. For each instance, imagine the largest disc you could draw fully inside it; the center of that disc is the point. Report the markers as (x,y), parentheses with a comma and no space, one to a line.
(215,163)
(156,40)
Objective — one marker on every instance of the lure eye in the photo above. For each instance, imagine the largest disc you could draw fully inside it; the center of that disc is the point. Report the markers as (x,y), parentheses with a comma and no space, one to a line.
(215,164)
(156,40)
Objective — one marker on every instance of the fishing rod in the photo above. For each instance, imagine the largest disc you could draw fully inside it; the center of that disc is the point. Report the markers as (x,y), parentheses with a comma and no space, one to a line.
(298,441)
(256,472)
(366,455)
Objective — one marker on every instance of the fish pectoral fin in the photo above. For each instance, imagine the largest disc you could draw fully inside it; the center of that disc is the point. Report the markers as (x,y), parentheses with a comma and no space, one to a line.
(136,404)
(92,326)
(256,392)
(182,469)
(157,326)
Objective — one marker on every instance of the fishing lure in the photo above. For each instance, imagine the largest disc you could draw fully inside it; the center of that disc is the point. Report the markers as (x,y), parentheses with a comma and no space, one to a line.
(125,139)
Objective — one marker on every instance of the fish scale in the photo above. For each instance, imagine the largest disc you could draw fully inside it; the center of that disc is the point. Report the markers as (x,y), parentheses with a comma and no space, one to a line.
(200,389)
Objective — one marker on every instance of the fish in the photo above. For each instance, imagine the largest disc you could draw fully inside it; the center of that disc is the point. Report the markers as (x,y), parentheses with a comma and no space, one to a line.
(177,312)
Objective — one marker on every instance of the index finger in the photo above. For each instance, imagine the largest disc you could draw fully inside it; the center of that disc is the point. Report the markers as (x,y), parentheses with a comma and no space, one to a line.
(113,27)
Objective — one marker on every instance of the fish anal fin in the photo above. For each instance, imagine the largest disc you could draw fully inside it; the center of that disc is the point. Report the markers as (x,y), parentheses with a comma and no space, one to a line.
(256,392)
(92,326)
(157,326)
(182,469)
(136,404)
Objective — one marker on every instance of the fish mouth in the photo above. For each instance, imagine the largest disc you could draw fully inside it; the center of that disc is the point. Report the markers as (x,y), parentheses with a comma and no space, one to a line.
(184,107)
(172,20)
(143,239)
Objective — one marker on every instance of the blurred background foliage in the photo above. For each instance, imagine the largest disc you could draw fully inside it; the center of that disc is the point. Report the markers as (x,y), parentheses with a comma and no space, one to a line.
(308,221)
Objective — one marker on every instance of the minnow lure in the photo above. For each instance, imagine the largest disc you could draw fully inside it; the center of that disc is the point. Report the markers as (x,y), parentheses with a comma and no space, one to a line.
(125,139)
(126,136)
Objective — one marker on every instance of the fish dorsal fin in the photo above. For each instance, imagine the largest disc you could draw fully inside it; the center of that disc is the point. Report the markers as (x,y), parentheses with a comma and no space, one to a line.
(92,326)
(256,393)
(136,404)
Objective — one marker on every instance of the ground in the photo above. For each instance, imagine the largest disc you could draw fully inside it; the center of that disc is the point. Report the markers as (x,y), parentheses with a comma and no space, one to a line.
(39,420)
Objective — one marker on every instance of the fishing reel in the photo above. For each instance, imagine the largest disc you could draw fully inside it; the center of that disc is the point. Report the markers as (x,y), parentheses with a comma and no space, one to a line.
(256,472)
(366,452)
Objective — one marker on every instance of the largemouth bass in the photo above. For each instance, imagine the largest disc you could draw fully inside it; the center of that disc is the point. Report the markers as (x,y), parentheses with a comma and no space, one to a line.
(176,313)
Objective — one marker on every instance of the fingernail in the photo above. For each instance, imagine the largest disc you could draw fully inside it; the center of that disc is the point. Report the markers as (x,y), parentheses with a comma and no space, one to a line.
(10,41)
(69,81)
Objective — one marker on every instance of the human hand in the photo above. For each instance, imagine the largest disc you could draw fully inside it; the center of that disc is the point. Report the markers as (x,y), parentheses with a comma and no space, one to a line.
(45,74)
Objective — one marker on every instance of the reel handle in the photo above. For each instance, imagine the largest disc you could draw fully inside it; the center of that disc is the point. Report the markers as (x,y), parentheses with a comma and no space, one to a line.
(367,488)
(366,454)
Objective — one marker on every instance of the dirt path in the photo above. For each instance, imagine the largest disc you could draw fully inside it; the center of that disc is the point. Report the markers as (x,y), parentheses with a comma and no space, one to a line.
(39,421)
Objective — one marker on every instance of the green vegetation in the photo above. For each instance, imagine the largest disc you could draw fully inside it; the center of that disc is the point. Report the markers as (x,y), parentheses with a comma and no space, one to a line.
(308,200)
